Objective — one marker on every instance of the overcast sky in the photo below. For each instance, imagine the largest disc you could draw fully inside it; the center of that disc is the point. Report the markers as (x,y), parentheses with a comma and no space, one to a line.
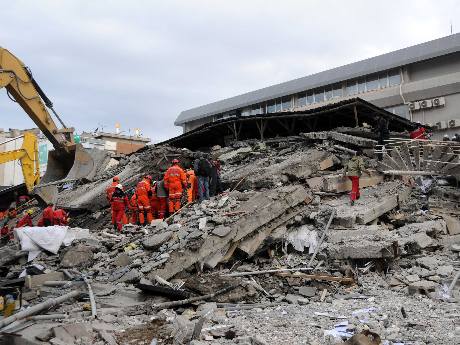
(140,63)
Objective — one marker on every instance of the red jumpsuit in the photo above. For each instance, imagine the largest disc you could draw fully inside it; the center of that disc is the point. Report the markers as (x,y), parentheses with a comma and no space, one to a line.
(24,221)
(119,202)
(109,191)
(133,209)
(144,192)
(60,217)
(47,218)
(175,181)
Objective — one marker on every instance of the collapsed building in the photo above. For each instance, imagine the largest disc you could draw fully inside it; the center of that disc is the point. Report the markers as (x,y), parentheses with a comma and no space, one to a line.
(279,256)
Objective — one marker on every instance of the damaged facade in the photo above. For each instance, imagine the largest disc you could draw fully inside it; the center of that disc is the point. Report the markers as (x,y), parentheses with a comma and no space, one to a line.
(279,257)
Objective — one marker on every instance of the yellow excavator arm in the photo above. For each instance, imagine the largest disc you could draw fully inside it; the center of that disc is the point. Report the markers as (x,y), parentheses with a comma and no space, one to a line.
(28,156)
(23,89)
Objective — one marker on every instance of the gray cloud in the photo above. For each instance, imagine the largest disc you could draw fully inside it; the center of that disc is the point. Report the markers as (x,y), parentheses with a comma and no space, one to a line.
(141,63)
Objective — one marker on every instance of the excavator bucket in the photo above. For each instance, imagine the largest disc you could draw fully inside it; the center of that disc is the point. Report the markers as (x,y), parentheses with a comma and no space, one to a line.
(64,167)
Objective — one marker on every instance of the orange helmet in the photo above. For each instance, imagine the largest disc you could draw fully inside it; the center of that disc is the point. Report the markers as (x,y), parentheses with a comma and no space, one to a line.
(175,161)
(116,179)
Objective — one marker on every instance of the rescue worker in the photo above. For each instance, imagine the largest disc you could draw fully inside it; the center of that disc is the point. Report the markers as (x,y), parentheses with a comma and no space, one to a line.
(192,185)
(26,220)
(162,195)
(47,218)
(202,168)
(175,182)
(12,213)
(111,188)
(22,199)
(154,202)
(354,169)
(214,179)
(144,193)
(133,209)
(420,133)
(61,217)
(119,203)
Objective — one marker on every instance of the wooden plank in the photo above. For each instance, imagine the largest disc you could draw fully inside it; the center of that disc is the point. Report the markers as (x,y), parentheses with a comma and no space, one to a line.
(320,277)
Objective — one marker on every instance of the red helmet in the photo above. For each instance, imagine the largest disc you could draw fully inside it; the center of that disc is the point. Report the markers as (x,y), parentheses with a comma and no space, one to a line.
(175,161)
(148,177)
(116,179)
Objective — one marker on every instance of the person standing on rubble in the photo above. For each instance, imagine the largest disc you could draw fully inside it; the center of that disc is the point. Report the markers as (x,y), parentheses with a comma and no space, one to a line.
(384,134)
(175,181)
(192,185)
(202,168)
(133,209)
(119,203)
(354,169)
(111,188)
(154,202)
(214,180)
(162,195)
(144,193)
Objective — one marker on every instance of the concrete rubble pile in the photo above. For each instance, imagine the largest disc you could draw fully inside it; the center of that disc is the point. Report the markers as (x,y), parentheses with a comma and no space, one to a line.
(279,257)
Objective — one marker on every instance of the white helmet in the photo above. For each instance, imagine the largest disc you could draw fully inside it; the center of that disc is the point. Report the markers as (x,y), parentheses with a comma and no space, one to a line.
(119,186)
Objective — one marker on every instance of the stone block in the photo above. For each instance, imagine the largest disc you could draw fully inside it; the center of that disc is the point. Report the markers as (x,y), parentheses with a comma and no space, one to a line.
(307,291)
(38,280)
(154,242)
(80,256)
(453,225)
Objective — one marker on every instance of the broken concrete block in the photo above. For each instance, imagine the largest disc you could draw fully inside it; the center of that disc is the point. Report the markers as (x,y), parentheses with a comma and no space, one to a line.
(38,280)
(202,223)
(412,278)
(154,242)
(182,330)
(262,208)
(292,299)
(316,183)
(369,242)
(122,260)
(251,244)
(80,256)
(445,271)
(307,291)
(453,225)
(423,287)
(428,262)
(326,163)
(221,231)
(376,209)
(132,276)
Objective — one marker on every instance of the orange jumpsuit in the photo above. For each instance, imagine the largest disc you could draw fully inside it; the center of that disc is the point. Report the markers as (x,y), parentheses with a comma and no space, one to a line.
(60,217)
(109,191)
(119,202)
(133,209)
(192,183)
(175,181)
(144,192)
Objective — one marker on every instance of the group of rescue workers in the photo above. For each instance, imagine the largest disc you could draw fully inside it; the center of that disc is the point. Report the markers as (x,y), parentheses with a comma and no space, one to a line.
(153,199)
(50,216)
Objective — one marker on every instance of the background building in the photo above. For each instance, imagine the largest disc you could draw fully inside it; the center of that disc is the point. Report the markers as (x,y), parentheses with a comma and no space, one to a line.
(420,83)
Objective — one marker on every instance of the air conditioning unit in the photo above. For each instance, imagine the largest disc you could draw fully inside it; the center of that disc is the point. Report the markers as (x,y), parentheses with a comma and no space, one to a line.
(454,123)
(441,124)
(438,102)
(425,104)
(414,106)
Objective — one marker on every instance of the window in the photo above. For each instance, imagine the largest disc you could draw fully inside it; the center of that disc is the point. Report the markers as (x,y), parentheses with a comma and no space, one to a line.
(337,91)
(271,107)
(328,93)
(301,99)
(319,96)
(383,80)
(310,98)
(246,112)
(286,103)
(372,82)
(400,110)
(361,86)
(278,104)
(394,78)
(256,109)
(352,88)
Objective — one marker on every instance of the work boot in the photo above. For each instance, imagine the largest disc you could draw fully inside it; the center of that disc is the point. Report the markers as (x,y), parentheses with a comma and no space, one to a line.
(352,202)
(115,227)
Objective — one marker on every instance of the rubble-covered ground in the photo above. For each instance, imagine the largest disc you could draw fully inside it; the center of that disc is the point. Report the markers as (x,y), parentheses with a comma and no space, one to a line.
(256,264)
